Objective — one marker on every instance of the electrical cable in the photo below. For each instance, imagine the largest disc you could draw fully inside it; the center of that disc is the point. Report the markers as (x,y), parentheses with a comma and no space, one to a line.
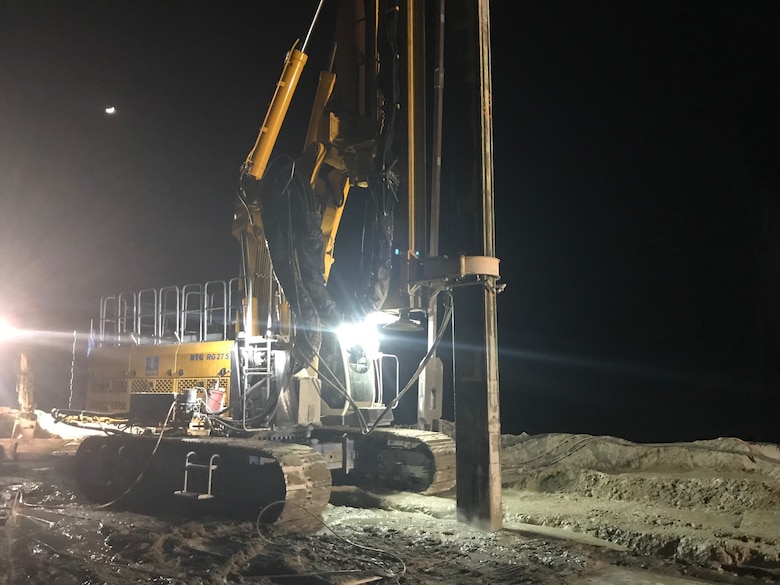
(423,363)
(59,509)
(87,427)
(371,549)
(301,290)
(333,380)
(146,465)
(72,371)
(88,562)
(233,427)
(364,427)
(59,412)
(268,411)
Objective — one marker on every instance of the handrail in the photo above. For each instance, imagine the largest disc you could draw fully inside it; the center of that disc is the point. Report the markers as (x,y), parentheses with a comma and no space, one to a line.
(168,330)
(205,311)
(143,329)
(104,319)
(127,309)
(215,305)
(235,306)
(192,294)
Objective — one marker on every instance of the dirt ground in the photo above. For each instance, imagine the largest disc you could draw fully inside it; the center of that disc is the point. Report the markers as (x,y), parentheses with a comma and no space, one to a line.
(577,510)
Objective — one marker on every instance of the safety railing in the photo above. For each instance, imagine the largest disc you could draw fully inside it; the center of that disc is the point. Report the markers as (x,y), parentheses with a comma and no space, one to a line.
(148,323)
(194,312)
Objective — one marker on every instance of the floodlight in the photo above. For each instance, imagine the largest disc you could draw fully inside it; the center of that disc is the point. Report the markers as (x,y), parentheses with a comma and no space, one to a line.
(363,335)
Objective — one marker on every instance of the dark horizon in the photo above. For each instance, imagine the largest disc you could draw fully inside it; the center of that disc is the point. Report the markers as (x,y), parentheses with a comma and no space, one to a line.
(636,188)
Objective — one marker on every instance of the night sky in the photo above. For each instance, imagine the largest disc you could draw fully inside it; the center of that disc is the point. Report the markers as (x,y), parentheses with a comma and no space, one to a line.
(636,172)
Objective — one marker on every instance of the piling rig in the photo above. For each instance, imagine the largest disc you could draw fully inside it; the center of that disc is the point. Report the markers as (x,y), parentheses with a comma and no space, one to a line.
(249,398)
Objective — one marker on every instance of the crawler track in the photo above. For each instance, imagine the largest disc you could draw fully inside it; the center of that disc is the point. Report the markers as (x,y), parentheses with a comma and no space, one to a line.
(250,475)
(399,459)
(253,476)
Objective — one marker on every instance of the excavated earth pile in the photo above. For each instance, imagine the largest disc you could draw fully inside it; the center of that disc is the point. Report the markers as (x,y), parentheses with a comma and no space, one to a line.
(712,503)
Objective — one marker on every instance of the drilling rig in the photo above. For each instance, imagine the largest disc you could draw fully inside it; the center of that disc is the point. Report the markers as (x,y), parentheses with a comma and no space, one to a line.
(259,393)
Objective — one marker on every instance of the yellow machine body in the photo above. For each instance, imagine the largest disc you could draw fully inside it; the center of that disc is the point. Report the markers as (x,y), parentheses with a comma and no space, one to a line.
(118,372)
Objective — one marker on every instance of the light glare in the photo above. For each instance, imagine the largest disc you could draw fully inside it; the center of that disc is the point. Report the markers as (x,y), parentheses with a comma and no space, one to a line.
(364,335)
(380,318)
(7,331)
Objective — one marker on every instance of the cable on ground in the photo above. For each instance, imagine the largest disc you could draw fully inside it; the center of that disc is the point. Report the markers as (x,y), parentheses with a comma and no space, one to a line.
(382,572)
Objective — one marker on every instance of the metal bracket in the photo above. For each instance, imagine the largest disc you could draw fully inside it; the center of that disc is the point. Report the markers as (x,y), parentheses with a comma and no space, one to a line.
(442,272)
(348,453)
(189,463)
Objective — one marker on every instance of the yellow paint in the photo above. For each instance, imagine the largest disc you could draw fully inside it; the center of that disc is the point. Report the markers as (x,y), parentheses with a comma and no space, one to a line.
(257,161)
(117,372)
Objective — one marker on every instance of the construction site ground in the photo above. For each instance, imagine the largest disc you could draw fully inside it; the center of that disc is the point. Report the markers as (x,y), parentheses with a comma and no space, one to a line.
(578,510)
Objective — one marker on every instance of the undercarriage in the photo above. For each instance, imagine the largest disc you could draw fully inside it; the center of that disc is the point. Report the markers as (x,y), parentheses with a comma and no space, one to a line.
(206,422)
(251,479)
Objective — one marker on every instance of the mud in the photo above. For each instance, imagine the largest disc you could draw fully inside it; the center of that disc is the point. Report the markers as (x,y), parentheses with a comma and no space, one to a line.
(577,510)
